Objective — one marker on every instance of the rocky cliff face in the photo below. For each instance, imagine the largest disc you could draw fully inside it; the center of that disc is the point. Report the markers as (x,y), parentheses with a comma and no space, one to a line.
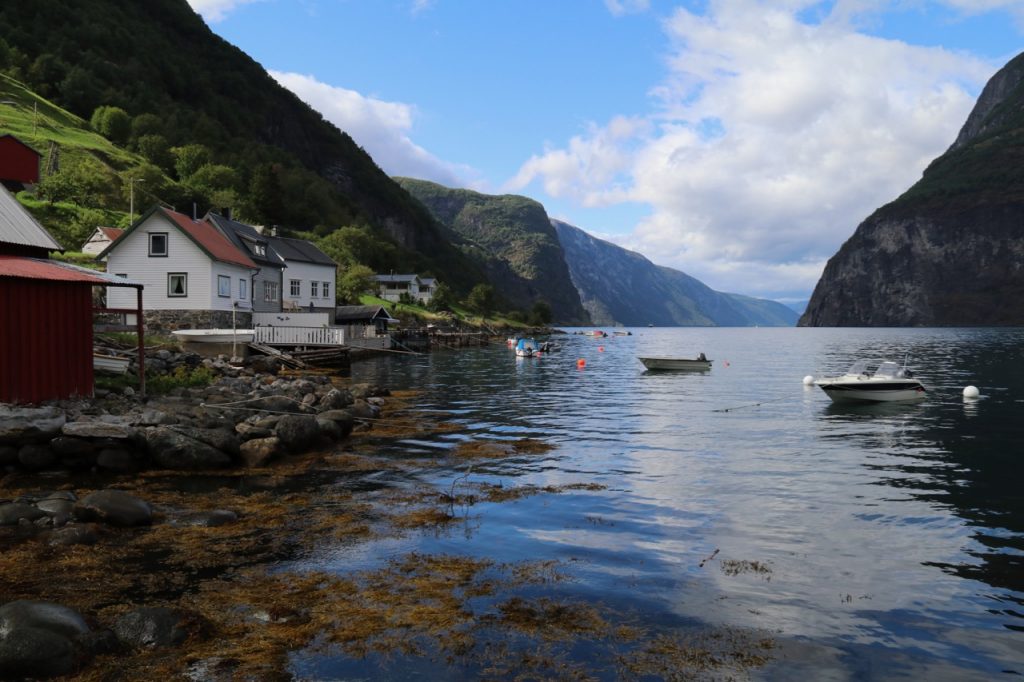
(950,251)
(622,287)
(512,237)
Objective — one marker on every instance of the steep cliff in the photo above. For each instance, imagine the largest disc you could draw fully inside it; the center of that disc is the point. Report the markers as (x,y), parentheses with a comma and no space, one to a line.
(512,237)
(949,251)
(622,287)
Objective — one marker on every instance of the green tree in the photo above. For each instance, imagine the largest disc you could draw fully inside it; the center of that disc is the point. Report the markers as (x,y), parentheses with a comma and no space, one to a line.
(540,314)
(265,202)
(481,299)
(112,123)
(147,124)
(150,186)
(442,299)
(84,181)
(353,282)
(217,185)
(156,150)
(189,158)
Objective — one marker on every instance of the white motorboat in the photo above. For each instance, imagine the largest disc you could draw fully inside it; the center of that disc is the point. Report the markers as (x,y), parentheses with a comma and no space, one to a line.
(888,381)
(700,363)
(215,335)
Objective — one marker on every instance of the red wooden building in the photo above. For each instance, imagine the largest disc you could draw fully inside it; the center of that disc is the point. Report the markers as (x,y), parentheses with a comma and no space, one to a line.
(45,313)
(19,163)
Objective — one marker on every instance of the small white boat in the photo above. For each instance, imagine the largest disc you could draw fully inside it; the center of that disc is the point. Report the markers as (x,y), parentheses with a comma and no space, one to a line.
(886,382)
(110,364)
(527,348)
(215,335)
(699,363)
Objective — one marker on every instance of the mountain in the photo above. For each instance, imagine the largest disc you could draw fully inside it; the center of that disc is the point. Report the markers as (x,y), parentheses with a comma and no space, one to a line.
(948,251)
(512,237)
(622,287)
(181,84)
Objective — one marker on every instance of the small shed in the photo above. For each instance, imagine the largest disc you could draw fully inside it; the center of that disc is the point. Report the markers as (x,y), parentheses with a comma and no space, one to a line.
(19,163)
(100,239)
(46,328)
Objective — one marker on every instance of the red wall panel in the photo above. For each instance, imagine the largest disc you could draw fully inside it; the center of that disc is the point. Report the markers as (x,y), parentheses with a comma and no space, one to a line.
(45,340)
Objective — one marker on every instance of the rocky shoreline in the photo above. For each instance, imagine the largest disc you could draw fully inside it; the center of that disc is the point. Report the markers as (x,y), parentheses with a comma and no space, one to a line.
(245,418)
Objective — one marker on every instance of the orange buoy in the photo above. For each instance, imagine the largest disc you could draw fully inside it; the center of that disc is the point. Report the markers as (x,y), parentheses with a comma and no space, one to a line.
(581,363)
(600,349)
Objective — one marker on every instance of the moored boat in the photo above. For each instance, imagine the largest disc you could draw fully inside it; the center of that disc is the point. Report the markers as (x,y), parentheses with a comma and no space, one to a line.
(527,348)
(699,363)
(873,381)
(215,335)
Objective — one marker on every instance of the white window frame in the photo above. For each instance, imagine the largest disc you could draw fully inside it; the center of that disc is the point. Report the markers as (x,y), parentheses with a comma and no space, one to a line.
(184,282)
(326,289)
(243,289)
(295,287)
(314,289)
(223,286)
(270,292)
(154,253)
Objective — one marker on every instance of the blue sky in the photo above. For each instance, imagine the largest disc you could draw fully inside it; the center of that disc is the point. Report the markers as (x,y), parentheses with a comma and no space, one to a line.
(740,141)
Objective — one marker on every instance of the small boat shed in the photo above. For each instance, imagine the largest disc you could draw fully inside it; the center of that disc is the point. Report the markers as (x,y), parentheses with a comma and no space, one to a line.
(46,310)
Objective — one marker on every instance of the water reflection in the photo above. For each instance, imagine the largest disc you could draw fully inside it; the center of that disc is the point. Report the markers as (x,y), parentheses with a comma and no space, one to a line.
(912,510)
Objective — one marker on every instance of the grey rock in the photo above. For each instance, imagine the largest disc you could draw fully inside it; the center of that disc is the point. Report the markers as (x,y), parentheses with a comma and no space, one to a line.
(43,615)
(66,446)
(329,429)
(59,510)
(259,451)
(35,456)
(116,459)
(114,507)
(8,455)
(158,626)
(13,512)
(335,399)
(99,429)
(249,431)
(297,433)
(174,450)
(19,424)
(209,519)
(73,535)
(35,653)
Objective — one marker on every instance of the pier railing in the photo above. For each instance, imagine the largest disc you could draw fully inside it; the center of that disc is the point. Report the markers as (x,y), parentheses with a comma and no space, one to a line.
(299,336)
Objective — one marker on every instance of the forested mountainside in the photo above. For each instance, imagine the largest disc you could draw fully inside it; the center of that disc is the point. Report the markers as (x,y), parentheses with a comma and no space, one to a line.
(182,88)
(513,238)
(622,287)
(948,251)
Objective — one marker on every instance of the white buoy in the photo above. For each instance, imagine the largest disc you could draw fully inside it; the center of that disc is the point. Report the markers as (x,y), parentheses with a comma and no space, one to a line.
(971,393)
(808,380)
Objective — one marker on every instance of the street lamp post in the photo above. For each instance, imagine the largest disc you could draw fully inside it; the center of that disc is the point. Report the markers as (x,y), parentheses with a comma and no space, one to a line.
(131,198)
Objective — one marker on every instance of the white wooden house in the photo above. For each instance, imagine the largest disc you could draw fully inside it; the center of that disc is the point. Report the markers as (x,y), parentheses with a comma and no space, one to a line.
(310,277)
(100,239)
(392,287)
(185,265)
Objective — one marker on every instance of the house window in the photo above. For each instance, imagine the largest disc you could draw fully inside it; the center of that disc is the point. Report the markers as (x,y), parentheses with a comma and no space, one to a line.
(243,289)
(158,244)
(177,284)
(259,250)
(223,286)
(270,292)
(326,289)
(314,289)
(122,275)
(296,288)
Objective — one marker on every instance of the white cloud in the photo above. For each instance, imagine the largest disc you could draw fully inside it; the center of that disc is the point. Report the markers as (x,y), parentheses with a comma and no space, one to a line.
(621,7)
(381,128)
(216,10)
(773,138)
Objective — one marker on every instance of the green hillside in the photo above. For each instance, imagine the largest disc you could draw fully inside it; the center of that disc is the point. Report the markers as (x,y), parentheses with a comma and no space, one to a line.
(202,123)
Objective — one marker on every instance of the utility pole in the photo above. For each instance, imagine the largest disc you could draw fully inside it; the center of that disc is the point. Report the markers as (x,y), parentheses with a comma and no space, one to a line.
(131,198)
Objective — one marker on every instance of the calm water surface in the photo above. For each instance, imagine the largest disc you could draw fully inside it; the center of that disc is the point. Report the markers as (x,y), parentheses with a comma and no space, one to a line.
(892,536)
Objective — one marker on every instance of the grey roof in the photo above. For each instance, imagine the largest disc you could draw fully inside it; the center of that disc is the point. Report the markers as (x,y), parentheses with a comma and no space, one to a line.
(241,235)
(17,226)
(396,278)
(300,250)
(361,313)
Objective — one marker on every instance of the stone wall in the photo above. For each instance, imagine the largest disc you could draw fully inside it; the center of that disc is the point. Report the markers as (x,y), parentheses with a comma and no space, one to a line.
(165,321)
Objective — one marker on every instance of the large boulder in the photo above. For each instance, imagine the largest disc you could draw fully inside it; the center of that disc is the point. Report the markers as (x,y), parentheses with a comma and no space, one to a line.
(37,639)
(12,513)
(297,433)
(259,451)
(335,399)
(114,507)
(21,424)
(174,450)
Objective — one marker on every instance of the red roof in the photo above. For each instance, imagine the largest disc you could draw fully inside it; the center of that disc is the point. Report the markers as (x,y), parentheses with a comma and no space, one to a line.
(33,268)
(111,233)
(210,239)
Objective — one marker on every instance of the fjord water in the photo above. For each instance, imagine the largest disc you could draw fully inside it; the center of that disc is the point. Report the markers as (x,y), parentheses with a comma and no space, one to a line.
(880,541)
